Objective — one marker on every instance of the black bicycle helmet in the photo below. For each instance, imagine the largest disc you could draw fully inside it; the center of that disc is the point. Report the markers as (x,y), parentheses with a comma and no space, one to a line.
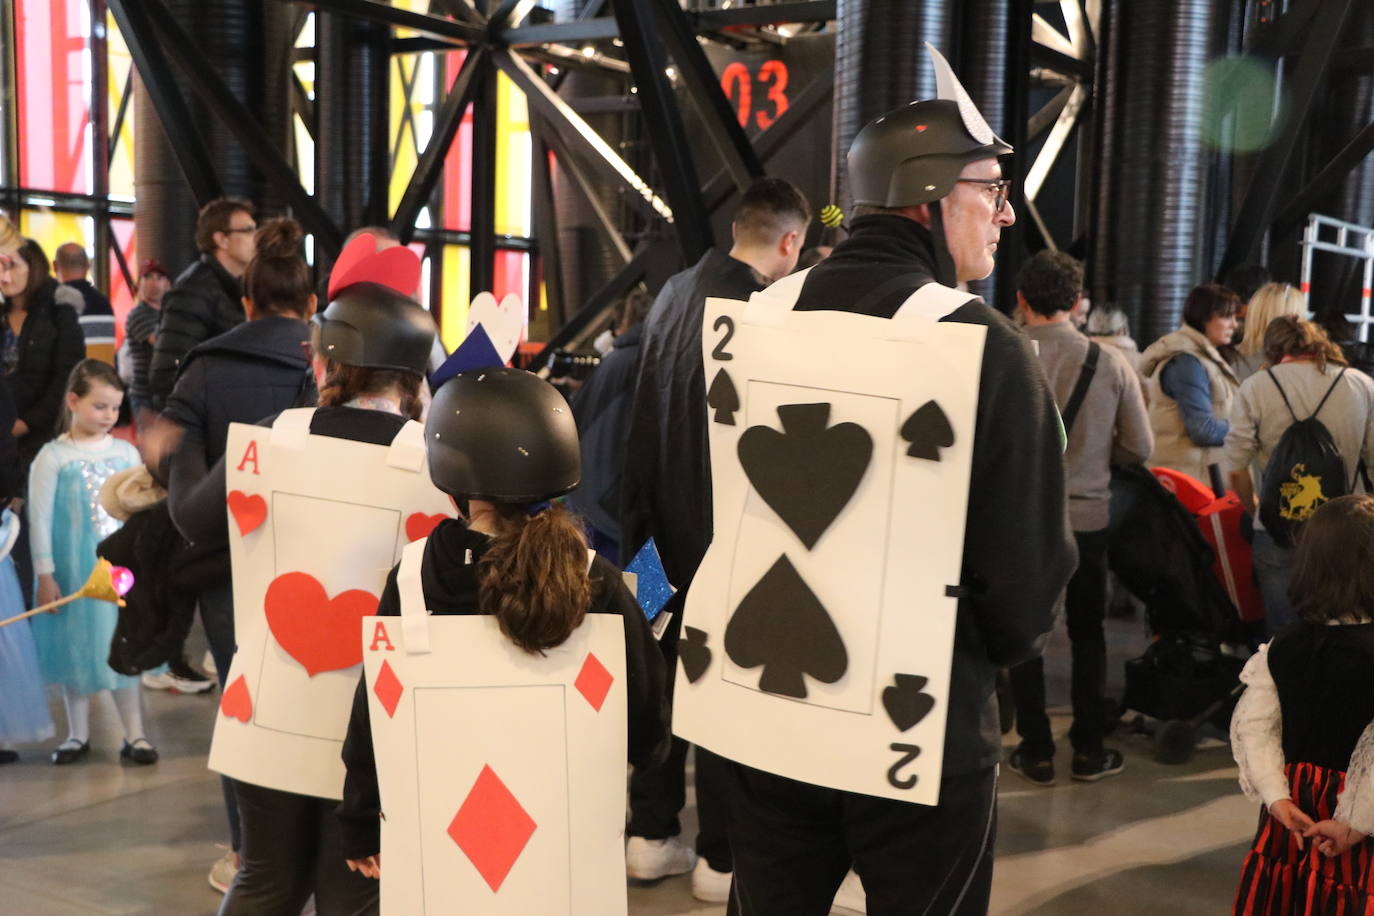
(375,327)
(502,435)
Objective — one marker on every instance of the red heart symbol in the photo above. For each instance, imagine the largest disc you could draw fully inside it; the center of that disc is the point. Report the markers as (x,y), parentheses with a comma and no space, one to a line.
(420,525)
(322,633)
(361,262)
(249,511)
(236,703)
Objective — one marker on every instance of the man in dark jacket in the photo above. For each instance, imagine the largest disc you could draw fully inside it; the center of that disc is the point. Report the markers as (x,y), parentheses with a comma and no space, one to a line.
(204,300)
(71,265)
(930,206)
(601,408)
(666,495)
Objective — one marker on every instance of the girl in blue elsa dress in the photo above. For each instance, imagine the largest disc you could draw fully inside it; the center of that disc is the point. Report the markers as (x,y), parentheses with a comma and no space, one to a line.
(66,522)
(24,715)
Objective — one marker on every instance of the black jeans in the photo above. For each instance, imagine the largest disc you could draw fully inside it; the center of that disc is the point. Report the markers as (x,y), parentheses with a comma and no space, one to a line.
(794,843)
(217,616)
(658,793)
(1085,605)
(292,848)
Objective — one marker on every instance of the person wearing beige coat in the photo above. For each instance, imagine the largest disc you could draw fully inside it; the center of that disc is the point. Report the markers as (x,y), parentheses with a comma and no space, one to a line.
(1190,386)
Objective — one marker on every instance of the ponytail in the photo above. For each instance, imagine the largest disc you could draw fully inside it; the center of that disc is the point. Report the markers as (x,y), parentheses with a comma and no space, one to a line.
(533,577)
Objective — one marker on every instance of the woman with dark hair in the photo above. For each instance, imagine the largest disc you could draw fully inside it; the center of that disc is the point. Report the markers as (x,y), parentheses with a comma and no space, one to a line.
(1307,377)
(1190,385)
(253,370)
(42,342)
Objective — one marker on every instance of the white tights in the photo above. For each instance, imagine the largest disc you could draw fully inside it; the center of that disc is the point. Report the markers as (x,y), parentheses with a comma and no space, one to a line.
(127,702)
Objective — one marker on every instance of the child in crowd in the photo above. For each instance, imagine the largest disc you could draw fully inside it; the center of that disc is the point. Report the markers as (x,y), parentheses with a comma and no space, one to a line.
(1303,731)
(66,521)
(515,555)
(23,705)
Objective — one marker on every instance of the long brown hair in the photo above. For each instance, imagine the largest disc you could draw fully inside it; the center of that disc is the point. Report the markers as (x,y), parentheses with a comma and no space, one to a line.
(277,280)
(1333,568)
(344,383)
(533,576)
(1288,335)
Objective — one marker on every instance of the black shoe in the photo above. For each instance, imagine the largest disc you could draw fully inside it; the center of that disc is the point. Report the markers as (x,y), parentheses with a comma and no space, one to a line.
(8,756)
(1040,772)
(1092,767)
(70,751)
(139,752)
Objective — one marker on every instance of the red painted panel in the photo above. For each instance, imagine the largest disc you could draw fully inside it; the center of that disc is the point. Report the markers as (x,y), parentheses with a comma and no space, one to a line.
(54,85)
(458,163)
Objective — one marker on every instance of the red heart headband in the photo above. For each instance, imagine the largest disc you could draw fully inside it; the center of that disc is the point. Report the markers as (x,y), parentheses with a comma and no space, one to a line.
(360,262)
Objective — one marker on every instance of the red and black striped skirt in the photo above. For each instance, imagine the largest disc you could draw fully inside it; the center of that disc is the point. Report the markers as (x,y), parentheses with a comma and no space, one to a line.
(1279,879)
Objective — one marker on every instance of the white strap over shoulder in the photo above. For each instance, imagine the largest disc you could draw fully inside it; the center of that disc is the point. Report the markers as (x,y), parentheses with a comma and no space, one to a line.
(414,614)
(770,306)
(931,303)
(591,558)
(291,429)
(407,451)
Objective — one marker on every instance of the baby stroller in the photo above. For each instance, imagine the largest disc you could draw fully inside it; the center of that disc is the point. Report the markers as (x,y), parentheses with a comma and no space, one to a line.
(1190,673)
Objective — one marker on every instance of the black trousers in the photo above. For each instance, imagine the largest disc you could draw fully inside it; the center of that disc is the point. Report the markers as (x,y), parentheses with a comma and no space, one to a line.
(658,793)
(217,616)
(292,848)
(1085,606)
(794,843)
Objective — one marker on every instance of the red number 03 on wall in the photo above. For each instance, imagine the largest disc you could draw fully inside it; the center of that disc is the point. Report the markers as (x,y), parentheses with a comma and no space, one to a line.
(739,84)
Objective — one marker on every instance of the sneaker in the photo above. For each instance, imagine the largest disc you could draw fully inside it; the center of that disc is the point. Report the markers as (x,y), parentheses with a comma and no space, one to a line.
(649,860)
(709,885)
(851,897)
(207,664)
(1040,772)
(70,751)
(223,871)
(178,678)
(139,751)
(1092,767)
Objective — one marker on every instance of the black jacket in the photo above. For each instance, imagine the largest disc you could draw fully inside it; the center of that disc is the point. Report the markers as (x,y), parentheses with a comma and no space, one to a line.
(50,344)
(450,587)
(1018,547)
(250,371)
(203,303)
(601,408)
(96,303)
(666,493)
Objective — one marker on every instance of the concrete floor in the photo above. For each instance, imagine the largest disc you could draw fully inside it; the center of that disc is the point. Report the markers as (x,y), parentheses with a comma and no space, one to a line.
(100,838)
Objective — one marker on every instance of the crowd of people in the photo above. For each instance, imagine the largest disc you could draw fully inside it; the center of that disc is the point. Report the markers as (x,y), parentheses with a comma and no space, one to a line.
(1065,397)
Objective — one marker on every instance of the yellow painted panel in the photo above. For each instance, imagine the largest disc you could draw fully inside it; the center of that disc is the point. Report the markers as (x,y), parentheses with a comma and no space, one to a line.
(512,159)
(454,314)
(50,229)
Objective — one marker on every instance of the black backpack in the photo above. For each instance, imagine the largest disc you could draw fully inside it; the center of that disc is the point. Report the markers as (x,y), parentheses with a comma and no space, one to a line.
(1304,471)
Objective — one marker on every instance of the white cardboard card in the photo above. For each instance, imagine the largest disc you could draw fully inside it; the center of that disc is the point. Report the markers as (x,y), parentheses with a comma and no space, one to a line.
(818,632)
(501,773)
(315,525)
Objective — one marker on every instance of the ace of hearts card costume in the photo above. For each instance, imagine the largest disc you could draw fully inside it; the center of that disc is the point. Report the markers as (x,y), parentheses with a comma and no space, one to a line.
(316,522)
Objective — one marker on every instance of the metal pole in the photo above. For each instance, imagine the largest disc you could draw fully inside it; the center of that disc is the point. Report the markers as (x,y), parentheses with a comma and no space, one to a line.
(1309,237)
(1365,286)
(100,143)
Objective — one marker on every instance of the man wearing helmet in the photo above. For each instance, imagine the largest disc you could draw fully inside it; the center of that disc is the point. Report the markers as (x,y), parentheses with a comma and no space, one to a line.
(930,204)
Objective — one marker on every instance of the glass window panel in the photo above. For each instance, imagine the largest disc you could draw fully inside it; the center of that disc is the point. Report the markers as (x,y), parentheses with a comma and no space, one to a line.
(512,160)
(512,277)
(54,95)
(458,163)
(121,297)
(454,314)
(121,66)
(49,229)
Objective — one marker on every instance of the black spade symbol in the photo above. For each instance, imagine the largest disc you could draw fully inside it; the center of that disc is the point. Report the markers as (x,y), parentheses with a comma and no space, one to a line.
(928,431)
(906,705)
(783,626)
(807,473)
(723,398)
(695,656)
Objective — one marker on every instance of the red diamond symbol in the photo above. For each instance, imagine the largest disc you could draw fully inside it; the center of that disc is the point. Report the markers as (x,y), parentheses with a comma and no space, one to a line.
(594,681)
(491,828)
(388,688)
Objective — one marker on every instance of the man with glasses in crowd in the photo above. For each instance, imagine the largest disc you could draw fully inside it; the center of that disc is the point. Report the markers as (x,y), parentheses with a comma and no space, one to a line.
(930,206)
(206,300)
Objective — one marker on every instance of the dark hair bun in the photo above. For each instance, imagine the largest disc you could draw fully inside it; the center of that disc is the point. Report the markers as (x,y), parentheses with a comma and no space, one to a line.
(279,238)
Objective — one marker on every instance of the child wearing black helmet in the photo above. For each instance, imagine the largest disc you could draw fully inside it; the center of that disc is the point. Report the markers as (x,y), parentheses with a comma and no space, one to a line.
(503,443)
